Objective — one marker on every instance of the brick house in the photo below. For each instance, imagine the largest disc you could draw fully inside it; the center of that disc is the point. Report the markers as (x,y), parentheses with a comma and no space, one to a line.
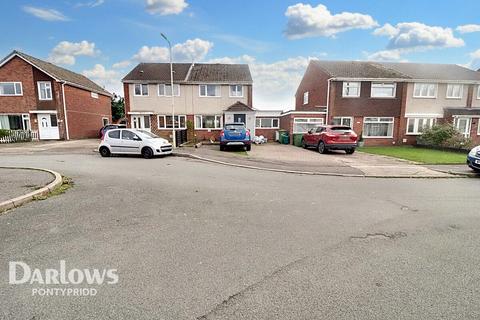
(206,95)
(36,95)
(391,103)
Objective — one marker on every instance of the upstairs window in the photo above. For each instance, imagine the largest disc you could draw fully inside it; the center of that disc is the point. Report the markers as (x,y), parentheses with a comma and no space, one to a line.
(141,89)
(351,89)
(209,90)
(166,90)
(454,91)
(11,89)
(236,90)
(425,90)
(383,90)
(45,90)
(305,97)
(94,95)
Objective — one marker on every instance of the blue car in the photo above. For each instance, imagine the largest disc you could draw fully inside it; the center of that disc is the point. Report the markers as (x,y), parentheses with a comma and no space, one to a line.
(235,134)
(473,159)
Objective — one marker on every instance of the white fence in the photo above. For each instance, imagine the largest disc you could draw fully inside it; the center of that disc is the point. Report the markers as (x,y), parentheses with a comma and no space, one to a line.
(19,136)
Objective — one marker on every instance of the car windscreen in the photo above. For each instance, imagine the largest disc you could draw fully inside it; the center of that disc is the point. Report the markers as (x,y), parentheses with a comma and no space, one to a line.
(235,127)
(148,135)
(341,129)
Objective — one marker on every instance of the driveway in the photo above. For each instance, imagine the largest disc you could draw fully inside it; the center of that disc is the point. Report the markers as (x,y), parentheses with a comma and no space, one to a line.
(288,157)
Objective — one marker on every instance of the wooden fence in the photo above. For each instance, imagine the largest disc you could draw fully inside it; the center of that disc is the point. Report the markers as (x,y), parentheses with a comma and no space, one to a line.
(19,136)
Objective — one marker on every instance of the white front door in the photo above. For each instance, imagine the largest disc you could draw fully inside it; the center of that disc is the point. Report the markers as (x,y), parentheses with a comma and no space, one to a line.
(463,125)
(48,126)
(141,122)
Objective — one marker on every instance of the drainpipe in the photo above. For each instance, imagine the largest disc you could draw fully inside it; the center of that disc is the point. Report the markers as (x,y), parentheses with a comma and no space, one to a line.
(328,99)
(65,111)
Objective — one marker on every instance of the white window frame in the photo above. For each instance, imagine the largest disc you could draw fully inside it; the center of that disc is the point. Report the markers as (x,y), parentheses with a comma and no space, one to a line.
(236,86)
(305,97)
(416,84)
(378,121)
(478,93)
(347,84)
(103,121)
(258,123)
(178,116)
(383,85)
(453,97)
(164,85)
(94,95)
(141,90)
(199,126)
(315,122)
(218,91)
(14,89)
(430,123)
(466,133)
(343,118)
(48,86)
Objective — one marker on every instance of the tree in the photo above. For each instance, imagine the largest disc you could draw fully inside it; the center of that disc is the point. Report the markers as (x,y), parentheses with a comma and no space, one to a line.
(118,107)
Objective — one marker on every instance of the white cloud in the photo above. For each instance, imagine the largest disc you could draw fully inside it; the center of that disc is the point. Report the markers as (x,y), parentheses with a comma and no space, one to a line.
(45,14)
(408,37)
(307,21)
(65,52)
(189,51)
(274,83)
(90,4)
(474,60)
(468,28)
(109,79)
(165,7)
(121,64)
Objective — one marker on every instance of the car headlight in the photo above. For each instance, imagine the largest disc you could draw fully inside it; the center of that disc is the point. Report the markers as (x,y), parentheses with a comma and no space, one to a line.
(474,151)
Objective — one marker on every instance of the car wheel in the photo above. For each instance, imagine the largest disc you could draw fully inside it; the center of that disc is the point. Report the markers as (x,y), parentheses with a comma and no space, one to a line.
(321,147)
(350,151)
(147,153)
(104,152)
(304,145)
(249,147)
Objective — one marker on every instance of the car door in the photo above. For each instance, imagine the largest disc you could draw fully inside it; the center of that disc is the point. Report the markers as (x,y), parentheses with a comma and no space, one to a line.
(316,135)
(131,143)
(113,140)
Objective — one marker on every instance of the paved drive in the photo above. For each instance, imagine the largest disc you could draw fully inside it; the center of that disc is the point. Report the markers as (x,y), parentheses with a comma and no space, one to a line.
(193,239)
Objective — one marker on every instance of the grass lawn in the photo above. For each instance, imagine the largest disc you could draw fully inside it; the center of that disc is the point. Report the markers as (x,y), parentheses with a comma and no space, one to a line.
(427,156)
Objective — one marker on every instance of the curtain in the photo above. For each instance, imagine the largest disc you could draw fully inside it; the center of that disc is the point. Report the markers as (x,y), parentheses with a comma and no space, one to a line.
(4,123)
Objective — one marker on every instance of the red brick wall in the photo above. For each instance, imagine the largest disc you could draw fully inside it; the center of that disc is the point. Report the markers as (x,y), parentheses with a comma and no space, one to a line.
(267,133)
(286,121)
(126,95)
(315,81)
(56,91)
(85,113)
(474,132)
(19,71)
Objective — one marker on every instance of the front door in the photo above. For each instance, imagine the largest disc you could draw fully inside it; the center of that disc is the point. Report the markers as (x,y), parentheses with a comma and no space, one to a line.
(48,126)
(141,122)
(240,117)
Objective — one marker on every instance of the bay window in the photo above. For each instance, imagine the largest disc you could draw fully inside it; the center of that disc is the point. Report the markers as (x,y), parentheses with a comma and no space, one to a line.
(165,122)
(303,125)
(351,89)
(209,90)
(208,121)
(454,91)
(267,123)
(418,125)
(141,89)
(383,90)
(11,89)
(424,90)
(378,127)
(236,90)
(166,90)
(45,90)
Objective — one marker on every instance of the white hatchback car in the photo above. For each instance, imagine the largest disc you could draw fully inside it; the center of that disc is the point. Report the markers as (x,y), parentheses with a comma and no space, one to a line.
(132,141)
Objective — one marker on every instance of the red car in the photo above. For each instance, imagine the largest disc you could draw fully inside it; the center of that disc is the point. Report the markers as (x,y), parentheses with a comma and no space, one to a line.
(331,137)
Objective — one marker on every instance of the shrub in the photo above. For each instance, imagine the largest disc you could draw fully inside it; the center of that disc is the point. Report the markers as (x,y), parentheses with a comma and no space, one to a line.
(444,135)
(4,133)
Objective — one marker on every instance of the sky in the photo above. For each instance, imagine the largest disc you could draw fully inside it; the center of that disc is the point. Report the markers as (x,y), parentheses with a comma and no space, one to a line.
(105,39)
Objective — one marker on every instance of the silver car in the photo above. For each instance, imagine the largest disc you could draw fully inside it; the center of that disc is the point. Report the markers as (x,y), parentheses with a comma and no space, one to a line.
(132,141)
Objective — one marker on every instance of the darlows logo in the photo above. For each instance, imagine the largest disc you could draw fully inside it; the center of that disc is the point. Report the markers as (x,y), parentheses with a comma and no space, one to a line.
(21,273)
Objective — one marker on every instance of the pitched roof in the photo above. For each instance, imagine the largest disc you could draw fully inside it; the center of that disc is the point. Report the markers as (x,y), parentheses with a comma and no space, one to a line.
(397,70)
(158,72)
(239,106)
(188,72)
(58,73)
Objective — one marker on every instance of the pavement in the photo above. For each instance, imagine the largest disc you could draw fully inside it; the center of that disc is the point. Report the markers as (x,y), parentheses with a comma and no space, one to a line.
(288,157)
(17,182)
(196,240)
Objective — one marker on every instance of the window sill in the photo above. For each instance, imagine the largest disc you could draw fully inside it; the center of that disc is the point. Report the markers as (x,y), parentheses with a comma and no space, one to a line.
(424,97)
(391,98)
(452,98)
(349,97)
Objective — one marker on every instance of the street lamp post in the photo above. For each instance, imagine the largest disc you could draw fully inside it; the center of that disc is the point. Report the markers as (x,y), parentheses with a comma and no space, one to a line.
(171,86)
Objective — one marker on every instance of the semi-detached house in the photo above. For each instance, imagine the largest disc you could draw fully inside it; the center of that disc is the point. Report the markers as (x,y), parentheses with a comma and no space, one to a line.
(392,103)
(206,95)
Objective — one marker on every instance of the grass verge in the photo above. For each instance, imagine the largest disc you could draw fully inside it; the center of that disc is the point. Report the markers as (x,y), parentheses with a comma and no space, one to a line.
(67,183)
(425,156)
